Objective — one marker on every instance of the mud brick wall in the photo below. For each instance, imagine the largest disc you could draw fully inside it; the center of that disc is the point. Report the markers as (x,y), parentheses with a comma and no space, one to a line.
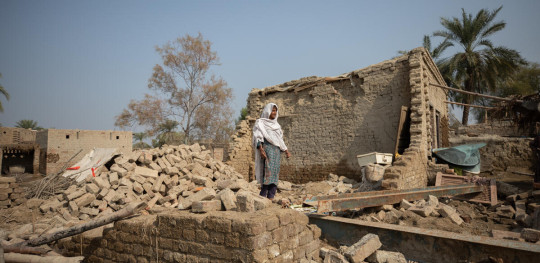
(271,235)
(328,122)
(9,135)
(502,154)
(409,171)
(11,194)
(58,146)
(501,128)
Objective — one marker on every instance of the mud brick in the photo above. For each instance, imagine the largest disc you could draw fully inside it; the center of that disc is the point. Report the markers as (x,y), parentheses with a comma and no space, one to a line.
(4,186)
(206,206)
(92,188)
(228,199)
(6,190)
(447,211)
(101,183)
(119,172)
(280,234)
(531,235)
(363,248)
(155,166)
(284,218)
(258,242)
(218,224)
(102,193)
(387,256)
(145,172)
(272,223)
(113,178)
(305,237)
(4,197)
(4,180)
(158,183)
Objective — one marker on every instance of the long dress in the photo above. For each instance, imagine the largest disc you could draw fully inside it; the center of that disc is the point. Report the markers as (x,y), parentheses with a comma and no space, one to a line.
(271,163)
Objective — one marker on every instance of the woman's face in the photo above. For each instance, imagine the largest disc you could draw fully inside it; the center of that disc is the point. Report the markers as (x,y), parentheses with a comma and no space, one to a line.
(273,113)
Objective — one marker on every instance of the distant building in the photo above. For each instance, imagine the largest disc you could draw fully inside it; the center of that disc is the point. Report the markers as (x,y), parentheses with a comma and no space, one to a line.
(47,151)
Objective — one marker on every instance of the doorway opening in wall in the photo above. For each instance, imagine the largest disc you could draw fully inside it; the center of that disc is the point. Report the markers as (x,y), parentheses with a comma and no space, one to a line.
(403,139)
(438,129)
(17,160)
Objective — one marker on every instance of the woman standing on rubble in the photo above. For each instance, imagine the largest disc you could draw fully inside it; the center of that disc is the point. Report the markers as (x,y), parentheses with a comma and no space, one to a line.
(268,144)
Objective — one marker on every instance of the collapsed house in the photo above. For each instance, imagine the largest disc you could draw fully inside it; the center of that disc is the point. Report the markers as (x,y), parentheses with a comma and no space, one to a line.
(388,107)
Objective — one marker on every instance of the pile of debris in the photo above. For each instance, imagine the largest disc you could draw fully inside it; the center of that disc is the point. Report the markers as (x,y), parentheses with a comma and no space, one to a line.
(367,249)
(184,177)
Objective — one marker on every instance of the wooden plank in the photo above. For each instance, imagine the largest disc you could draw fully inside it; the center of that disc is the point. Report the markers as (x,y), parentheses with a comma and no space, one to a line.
(487,196)
(402,118)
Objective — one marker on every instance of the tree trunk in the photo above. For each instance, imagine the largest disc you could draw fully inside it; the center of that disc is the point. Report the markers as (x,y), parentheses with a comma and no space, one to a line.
(74,230)
(16,258)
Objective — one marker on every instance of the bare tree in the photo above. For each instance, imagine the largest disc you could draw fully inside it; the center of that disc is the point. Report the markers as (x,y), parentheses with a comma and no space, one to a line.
(185,91)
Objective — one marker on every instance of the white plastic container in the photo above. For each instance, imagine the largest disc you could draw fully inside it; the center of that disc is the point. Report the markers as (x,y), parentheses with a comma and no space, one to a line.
(374,157)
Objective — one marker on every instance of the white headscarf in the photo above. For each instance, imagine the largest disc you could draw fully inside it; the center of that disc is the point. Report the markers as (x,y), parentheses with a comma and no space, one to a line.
(270,130)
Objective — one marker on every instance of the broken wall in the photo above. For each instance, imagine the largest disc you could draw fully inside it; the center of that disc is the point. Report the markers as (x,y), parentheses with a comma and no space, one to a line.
(327,122)
(271,235)
(58,146)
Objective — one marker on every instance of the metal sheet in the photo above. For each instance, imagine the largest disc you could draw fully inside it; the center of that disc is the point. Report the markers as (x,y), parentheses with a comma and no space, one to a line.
(426,245)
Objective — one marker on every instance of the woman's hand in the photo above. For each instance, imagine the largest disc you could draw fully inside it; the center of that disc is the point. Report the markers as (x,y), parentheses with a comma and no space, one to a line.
(263,153)
(288,154)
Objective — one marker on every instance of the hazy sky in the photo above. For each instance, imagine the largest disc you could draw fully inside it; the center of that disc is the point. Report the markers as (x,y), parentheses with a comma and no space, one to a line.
(77,64)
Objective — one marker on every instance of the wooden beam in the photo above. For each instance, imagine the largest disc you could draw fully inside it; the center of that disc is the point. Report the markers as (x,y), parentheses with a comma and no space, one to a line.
(129,210)
(474,93)
(471,105)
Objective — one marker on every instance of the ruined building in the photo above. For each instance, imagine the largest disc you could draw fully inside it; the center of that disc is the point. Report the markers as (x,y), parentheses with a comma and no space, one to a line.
(328,121)
(47,151)
(19,150)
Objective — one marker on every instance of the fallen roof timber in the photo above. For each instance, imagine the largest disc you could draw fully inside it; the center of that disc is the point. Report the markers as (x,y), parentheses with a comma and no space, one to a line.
(426,245)
(377,198)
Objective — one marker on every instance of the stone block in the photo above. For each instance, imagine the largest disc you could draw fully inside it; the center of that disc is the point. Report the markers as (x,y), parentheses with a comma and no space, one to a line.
(381,256)
(75,194)
(432,201)
(422,211)
(91,188)
(206,206)
(531,235)
(101,183)
(203,195)
(171,170)
(260,202)
(89,211)
(228,199)
(245,202)
(199,180)
(115,168)
(449,212)
(405,204)
(362,249)
(85,200)
(145,172)
(158,183)
(332,256)
(506,211)
(102,193)
(155,166)
(113,178)
(4,180)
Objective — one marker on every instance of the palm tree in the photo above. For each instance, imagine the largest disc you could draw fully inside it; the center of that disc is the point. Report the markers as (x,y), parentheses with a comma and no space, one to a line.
(426,43)
(5,93)
(28,124)
(478,66)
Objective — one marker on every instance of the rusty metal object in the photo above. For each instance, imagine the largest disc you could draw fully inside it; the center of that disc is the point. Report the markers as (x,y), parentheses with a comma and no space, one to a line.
(487,196)
(425,245)
(343,202)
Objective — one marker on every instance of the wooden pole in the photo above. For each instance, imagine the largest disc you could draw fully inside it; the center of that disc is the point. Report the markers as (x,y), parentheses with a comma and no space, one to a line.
(22,258)
(471,105)
(474,93)
(74,230)
(26,250)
